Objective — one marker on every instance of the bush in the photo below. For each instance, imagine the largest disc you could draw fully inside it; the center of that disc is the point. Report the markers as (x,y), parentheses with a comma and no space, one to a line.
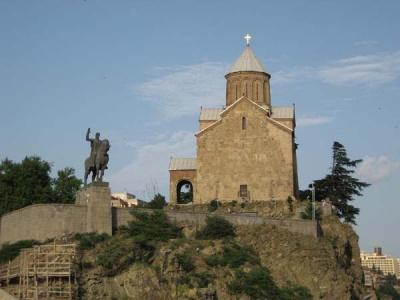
(295,293)
(185,261)
(213,205)
(90,240)
(257,283)
(158,202)
(152,227)
(216,228)
(233,256)
(119,252)
(10,251)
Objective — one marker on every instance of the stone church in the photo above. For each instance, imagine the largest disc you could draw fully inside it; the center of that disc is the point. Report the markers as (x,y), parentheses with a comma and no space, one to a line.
(246,151)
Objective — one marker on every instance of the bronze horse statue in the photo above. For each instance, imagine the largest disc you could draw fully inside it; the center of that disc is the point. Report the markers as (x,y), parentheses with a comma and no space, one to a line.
(97,165)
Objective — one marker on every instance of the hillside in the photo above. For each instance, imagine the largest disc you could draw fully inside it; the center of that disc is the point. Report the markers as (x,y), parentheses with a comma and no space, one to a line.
(187,267)
(152,258)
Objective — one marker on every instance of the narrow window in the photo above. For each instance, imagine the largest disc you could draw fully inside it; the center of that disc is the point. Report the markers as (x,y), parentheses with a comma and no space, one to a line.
(244,123)
(243,190)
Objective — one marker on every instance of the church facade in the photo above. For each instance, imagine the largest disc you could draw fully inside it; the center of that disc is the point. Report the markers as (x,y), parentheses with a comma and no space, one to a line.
(246,151)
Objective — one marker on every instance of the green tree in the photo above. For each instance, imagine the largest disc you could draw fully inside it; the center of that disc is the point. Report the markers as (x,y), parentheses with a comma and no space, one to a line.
(29,182)
(65,186)
(158,202)
(24,183)
(340,186)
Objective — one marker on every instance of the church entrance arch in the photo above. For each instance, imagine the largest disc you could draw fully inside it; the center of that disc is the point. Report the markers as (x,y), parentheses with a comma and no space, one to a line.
(184,192)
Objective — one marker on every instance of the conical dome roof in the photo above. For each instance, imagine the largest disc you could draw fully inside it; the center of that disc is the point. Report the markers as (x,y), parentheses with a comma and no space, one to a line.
(247,61)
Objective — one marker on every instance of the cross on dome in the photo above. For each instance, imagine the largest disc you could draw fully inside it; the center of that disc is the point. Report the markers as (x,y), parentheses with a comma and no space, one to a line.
(247,37)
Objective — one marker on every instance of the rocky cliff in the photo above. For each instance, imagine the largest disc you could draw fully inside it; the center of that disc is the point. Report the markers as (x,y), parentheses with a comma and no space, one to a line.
(327,267)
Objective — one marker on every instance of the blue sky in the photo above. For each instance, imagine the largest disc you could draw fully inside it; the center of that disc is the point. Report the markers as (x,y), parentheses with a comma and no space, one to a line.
(138,72)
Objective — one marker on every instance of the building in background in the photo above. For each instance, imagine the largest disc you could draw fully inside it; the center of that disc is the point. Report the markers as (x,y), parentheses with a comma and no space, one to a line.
(125,200)
(378,261)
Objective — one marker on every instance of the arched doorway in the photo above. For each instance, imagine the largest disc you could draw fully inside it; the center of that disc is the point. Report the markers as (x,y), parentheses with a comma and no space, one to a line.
(184,192)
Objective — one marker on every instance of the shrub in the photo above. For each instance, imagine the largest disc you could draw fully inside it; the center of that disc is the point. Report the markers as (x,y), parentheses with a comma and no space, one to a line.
(257,283)
(119,252)
(10,251)
(213,205)
(158,202)
(185,261)
(152,227)
(202,279)
(233,203)
(216,228)
(233,256)
(90,240)
(295,293)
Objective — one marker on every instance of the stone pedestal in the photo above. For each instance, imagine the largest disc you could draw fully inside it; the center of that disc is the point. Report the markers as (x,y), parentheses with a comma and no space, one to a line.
(97,197)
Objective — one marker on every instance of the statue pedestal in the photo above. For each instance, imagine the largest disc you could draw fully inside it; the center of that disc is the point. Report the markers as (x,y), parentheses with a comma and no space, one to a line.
(97,198)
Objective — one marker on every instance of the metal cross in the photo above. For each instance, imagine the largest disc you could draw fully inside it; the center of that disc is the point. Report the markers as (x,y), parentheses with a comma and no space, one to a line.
(247,37)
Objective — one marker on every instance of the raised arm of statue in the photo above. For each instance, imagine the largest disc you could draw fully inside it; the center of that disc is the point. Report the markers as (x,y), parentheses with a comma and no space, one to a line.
(87,135)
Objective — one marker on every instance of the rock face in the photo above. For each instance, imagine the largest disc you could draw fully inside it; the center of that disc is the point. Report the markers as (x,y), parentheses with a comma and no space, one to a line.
(328,266)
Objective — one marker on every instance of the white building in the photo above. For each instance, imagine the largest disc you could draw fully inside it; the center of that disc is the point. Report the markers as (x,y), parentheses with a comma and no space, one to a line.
(125,199)
(387,264)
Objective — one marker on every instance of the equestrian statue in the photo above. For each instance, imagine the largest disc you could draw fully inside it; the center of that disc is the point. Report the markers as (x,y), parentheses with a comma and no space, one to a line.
(97,162)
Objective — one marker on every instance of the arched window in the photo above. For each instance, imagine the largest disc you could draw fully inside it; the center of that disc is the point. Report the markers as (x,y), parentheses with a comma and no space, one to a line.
(244,123)
(184,192)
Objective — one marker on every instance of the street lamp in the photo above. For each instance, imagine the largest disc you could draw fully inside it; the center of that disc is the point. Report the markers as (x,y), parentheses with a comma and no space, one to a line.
(312,187)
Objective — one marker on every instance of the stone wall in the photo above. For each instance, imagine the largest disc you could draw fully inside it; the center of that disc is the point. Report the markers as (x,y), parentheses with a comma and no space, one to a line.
(42,221)
(306,227)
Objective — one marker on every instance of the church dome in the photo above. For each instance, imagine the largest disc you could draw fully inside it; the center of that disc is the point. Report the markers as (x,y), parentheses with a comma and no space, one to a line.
(247,61)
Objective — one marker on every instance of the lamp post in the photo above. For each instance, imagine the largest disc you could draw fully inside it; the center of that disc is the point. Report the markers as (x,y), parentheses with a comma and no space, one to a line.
(312,186)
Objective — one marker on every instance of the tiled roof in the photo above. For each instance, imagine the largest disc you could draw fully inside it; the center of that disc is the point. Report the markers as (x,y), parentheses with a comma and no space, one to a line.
(282,112)
(180,163)
(210,114)
(247,61)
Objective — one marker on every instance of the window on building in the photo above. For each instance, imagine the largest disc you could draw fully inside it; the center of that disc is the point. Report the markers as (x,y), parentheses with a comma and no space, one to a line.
(243,190)
(244,123)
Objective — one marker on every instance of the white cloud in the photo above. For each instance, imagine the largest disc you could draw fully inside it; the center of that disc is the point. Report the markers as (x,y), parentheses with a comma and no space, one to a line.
(357,70)
(376,168)
(312,121)
(150,164)
(181,91)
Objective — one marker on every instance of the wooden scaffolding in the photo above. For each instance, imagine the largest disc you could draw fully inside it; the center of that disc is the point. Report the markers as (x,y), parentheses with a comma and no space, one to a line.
(41,272)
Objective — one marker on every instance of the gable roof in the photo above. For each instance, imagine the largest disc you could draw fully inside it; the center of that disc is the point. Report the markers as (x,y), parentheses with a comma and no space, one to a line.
(247,61)
(182,163)
(230,107)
